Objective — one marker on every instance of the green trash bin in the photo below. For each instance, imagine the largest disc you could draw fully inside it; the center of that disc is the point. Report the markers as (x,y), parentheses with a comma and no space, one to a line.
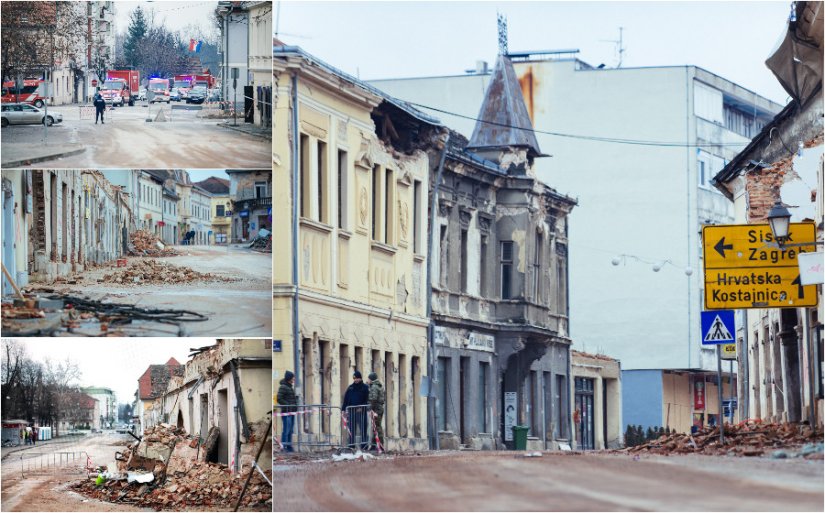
(520,438)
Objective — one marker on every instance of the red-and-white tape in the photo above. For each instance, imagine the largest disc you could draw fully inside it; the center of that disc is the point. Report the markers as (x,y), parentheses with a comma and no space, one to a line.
(377,440)
(294,413)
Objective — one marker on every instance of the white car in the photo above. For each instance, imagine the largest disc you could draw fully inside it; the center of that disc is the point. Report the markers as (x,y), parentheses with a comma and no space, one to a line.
(25,114)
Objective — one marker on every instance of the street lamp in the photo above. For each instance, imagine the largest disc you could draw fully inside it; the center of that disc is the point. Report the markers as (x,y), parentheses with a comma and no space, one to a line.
(780,220)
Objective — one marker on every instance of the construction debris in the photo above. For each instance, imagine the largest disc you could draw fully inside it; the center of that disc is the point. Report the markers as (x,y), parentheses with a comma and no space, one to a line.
(749,438)
(167,471)
(152,271)
(263,242)
(145,243)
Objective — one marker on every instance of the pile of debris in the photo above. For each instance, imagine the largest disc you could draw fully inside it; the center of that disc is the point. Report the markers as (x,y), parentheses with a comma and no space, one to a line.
(166,470)
(749,438)
(145,243)
(263,242)
(153,271)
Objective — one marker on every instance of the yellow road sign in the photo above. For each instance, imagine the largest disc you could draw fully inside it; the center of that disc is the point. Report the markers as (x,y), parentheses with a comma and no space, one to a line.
(776,287)
(752,245)
(728,351)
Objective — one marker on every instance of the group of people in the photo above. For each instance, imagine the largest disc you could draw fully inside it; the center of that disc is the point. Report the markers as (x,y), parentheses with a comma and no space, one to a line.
(362,401)
(28,435)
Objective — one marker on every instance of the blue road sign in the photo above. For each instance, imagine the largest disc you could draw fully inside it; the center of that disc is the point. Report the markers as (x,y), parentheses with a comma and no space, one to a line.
(718,327)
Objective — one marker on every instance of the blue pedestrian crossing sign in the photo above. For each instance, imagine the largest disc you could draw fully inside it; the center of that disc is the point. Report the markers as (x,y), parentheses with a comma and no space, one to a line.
(718,327)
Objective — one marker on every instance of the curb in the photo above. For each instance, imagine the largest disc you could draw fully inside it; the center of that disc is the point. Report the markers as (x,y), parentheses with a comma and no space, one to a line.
(237,129)
(43,158)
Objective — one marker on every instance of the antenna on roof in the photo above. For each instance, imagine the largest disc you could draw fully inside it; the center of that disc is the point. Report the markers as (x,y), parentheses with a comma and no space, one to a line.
(620,49)
(502,34)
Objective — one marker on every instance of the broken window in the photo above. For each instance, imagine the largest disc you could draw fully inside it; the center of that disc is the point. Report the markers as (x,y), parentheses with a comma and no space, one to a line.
(482,286)
(506,269)
(389,204)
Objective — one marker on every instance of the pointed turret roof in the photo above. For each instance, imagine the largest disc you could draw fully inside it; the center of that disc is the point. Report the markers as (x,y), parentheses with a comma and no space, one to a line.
(503,107)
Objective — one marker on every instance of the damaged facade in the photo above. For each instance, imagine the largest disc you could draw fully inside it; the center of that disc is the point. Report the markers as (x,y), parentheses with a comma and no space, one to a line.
(501,345)
(251,195)
(223,397)
(152,385)
(59,222)
(596,402)
(364,167)
(353,291)
(781,350)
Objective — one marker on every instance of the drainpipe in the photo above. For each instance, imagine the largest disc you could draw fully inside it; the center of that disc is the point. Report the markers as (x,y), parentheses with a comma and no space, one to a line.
(431,411)
(296,148)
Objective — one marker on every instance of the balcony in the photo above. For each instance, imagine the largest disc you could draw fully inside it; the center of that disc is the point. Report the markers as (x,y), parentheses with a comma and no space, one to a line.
(253,204)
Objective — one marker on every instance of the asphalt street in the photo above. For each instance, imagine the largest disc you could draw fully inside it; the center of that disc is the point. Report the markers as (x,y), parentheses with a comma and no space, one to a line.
(142,136)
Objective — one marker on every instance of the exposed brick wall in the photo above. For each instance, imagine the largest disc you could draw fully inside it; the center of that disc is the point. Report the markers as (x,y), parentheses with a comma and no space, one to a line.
(762,188)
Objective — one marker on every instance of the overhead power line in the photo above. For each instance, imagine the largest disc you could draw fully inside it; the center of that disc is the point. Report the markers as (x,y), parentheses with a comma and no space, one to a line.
(639,142)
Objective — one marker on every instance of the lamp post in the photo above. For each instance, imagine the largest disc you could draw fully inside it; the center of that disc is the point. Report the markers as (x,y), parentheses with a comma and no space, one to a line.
(780,221)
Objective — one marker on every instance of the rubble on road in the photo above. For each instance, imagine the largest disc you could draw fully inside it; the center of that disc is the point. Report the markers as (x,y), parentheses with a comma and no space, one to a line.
(748,438)
(152,271)
(263,242)
(181,478)
(145,243)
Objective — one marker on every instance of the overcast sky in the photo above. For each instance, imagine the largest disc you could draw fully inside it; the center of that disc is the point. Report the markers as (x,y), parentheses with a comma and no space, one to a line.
(111,362)
(411,39)
(174,15)
(199,175)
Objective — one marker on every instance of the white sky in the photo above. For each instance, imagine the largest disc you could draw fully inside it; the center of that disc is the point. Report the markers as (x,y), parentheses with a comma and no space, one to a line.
(383,39)
(199,175)
(115,363)
(174,15)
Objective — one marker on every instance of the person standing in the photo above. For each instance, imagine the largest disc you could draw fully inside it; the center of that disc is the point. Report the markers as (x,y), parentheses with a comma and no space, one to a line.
(357,394)
(100,107)
(376,400)
(289,402)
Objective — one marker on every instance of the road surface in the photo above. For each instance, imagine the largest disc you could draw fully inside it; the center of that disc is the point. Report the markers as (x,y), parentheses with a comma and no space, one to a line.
(238,308)
(46,489)
(502,481)
(185,140)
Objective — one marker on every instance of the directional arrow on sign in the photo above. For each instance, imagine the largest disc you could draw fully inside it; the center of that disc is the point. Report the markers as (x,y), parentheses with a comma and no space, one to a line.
(799,286)
(720,247)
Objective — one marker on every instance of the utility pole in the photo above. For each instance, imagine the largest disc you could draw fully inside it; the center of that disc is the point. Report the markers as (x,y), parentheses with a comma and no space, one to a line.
(721,420)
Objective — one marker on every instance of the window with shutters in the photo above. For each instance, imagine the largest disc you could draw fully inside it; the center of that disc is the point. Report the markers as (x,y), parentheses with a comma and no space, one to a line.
(506,269)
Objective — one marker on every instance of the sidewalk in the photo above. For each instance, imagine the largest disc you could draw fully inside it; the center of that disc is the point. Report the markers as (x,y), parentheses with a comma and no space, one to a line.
(59,441)
(249,129)
(25,154)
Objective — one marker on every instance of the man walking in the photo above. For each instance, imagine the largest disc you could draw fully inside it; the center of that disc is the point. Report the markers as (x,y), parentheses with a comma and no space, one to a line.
(376,399)
(357,394)
(289,402)
(100,107)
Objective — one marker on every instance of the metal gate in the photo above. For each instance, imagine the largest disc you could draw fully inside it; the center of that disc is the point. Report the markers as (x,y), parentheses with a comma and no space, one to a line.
(77,461)
(584,410)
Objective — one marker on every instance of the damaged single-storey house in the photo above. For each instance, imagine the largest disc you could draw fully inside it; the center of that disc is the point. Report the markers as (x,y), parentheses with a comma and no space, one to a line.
(223,397)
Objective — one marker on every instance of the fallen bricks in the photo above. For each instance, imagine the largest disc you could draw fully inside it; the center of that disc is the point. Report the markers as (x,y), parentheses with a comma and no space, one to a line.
(748,438)
(152,271)
(148,244)
(168,472)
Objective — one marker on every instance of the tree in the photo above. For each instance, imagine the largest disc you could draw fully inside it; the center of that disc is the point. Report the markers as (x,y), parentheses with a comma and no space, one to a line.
(138,27)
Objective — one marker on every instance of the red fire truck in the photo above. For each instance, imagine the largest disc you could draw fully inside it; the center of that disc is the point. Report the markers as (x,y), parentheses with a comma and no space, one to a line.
(184,84)
(121,87)
(205,80)
(159,87)
(31,92)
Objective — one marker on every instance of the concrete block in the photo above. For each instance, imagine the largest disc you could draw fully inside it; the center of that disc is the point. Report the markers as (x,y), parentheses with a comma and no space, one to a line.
(447,440)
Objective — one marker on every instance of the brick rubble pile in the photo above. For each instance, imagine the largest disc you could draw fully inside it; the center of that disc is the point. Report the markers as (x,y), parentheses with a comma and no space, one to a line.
(147,243)
(751,438)
(184,481)
(155,272)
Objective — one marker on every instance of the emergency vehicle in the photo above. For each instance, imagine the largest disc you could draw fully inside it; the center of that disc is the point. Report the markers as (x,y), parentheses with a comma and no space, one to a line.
(132,80)
(31,93)
(160,88)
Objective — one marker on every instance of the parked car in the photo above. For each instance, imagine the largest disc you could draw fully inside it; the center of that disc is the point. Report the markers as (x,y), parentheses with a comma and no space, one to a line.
(142,93)
(25,114)
(196,95)
(174,95)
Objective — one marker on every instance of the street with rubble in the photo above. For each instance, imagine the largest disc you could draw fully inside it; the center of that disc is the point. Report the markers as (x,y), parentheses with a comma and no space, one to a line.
(226,289)
(553,481)
(143,136)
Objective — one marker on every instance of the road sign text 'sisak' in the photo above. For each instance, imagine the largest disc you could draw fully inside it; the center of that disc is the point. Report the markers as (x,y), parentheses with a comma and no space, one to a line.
(746,268)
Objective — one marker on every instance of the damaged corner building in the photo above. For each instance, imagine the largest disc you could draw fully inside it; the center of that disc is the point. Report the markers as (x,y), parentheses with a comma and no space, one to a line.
(222,397)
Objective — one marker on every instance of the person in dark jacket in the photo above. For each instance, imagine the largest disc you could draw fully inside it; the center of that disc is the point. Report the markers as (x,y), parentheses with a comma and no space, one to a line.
(289,404)
(100,107)
(357,394)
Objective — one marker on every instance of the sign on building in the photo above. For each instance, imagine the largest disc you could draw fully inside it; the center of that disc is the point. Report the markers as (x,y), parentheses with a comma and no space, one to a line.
(728,352)
(481,342)
(510,414)
(745,268)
